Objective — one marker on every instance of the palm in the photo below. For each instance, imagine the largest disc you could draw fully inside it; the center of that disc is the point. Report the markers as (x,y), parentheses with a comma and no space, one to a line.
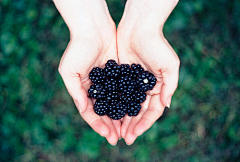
(80,57)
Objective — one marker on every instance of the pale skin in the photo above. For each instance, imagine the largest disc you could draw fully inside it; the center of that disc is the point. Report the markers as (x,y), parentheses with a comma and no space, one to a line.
(138,39)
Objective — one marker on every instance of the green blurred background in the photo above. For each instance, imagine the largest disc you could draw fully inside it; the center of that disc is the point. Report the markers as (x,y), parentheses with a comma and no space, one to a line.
(39,121)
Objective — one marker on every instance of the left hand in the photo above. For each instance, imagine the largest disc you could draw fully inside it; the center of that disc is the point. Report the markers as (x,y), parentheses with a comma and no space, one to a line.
(140,40)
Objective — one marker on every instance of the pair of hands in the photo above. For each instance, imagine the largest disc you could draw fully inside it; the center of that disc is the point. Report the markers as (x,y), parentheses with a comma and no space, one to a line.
(138,39)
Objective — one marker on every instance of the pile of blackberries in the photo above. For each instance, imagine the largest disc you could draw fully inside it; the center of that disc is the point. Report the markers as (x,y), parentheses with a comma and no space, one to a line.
(119,89)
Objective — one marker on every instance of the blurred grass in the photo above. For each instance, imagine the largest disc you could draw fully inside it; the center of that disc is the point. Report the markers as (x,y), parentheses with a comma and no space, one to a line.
(39,121)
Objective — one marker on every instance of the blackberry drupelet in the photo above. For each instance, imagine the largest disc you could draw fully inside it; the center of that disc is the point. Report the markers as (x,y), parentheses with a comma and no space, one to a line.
(97,91)
(101,107)
(146,81)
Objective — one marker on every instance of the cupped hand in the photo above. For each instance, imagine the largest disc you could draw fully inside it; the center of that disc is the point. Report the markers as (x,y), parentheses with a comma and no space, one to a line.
(92,43)
(140,40)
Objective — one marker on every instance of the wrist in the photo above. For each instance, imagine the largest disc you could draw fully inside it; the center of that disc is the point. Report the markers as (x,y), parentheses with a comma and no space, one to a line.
(150,13)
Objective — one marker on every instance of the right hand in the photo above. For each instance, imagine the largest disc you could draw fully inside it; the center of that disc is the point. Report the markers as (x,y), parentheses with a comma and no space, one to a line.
(92,43)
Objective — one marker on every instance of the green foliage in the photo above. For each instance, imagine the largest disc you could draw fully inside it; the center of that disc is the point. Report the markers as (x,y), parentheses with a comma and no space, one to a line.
(38,119)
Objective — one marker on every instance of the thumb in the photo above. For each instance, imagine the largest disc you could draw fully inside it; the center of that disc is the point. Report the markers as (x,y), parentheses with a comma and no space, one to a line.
(170,74)
(170,83)
(76,90)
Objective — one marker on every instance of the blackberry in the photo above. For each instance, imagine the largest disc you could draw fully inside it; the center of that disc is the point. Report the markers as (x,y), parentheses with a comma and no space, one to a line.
(101,107)
(126,97)
(125,69)
(133,108)
(110,84)
(126,83)
(97,91)
(117,110)
(136,69)
(110,63)
(146,81)
(138,96)
(112,96)
(112,69)
(97,75)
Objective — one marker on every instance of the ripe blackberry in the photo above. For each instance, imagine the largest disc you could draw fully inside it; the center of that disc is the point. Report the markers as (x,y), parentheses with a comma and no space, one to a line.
(126,97)
(138,96)
(146,81)
(97,75)
(136,69)
(125,69)
(101,107)
(110,84)
(97,91)
(112,69)
(110,63)
(112,96)
(126,83)
(117,110)
(133,108)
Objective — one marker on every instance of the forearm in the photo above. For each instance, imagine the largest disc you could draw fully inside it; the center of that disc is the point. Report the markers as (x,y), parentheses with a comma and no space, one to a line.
(81,15)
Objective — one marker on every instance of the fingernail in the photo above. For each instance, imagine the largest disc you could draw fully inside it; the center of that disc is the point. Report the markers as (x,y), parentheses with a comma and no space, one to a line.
(114,144)
(169,101)
(127,144)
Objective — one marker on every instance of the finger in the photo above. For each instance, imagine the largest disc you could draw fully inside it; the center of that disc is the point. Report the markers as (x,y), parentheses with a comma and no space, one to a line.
(112,138)
(130,137)
(154,111)
(95,121)
(117,125)
(170,75)
(126,121)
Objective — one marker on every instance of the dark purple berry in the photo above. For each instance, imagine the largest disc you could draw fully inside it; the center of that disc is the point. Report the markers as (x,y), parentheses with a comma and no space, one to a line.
(97,75)
(146,81)
(133,109)
(97,91)
(101,107)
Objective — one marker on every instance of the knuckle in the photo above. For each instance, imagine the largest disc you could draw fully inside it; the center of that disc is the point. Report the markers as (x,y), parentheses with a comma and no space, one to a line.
(176,62)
